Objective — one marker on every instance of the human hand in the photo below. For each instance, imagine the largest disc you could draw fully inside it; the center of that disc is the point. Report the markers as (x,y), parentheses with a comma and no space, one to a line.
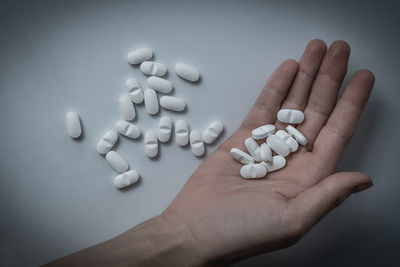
(228,218)
(219,217)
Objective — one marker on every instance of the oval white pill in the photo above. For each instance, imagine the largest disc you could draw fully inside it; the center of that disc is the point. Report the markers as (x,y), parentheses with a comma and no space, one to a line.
(253,148)
(73,124)
(187,72)
(150,144)
(263,131)
(253,171)
(172,103)
(293,116)
(116,161)
(107,142)
(125,179)
(278,145)
(134,90)
(212,132)
(297,135)
(265,152)
(164,129)
(241,156)
(151,101)
(127,129)
(277,162)
(153,68)
(181,133)
(290,141)
(140,55)
(196,143)
(127,107)
(159,84)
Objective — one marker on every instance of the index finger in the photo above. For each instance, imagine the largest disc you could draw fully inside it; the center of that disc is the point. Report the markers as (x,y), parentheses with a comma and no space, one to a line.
(342,123)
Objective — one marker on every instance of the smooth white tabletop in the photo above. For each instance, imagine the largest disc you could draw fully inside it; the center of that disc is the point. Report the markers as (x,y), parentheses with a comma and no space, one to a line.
(56,194)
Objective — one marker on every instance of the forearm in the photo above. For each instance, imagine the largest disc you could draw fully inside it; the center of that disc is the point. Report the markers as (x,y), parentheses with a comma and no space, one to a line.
(158,241)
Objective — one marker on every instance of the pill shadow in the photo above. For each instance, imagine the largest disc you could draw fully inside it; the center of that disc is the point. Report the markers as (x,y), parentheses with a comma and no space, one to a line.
(368,129)
(131,187)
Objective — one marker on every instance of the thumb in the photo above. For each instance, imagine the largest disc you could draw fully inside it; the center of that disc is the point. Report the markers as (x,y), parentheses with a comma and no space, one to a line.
(313,204)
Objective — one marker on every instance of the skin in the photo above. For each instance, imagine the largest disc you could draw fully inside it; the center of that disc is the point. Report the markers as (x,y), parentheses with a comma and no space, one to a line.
(218,217)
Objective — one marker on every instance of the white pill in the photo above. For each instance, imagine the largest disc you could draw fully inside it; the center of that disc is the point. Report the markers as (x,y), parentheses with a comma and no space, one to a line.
(153,68)
(265,152)
(253,148)
(134,90)
(125,179)
(127,129)
(172,103)
(150,144)
(151,101)
(263,131)
(107,142)
(290,141)
(293,116)
(73,124)
(140,55)
(127,107)
(196,143)
(164,129)
(297,135)
(181,133)
(159,84)
(278,145)
(117,162)
(187,72)
(277,162)
(212,132)
(241,156)
(253,171)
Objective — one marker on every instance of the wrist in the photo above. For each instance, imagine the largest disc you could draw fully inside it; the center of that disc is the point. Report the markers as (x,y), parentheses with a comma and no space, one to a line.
(165,240)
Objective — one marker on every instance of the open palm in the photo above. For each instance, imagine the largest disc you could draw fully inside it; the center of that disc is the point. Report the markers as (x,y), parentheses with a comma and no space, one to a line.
(233,218)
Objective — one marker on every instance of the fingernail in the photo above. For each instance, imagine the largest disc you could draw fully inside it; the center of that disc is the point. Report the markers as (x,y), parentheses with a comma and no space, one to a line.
(361,187)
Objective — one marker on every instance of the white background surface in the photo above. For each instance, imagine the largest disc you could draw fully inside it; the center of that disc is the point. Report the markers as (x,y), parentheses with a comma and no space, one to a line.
(56,194)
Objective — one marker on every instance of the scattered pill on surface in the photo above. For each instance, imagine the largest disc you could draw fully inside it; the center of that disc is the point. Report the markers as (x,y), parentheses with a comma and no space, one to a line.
(187,72)
(253,148)
(212,132)
(292,116)
(140,55)
(265,152)
(134,90)
(164,129)
(263,131)
(126,179)
(151,101)
(181,133)
(127,129)
(150,144)
(172,103)
(278,145)
(289,140)
(196,143)
(107,142)
(297,135)
(277,162)
(159,84)
(153,68)
(73,124)
(253,170)
(127,107)
(241,156)
(117,161)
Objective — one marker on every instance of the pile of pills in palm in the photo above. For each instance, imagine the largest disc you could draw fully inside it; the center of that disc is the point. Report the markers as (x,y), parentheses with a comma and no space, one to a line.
(270,155)
(135,95)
